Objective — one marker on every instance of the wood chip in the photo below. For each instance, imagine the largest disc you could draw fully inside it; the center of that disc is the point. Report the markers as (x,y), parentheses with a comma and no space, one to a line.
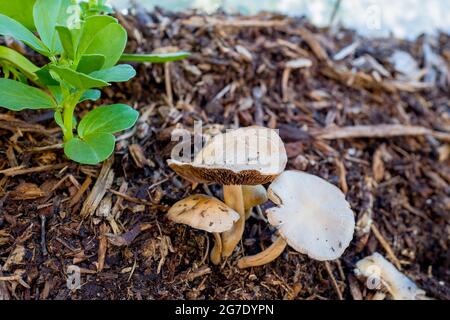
(15,257)
(138,156)
(342,175)
(77,197)
(387,247)
(377,131)
(103,183)
(4,292)
(102,247)
(378,164)
(21,170)
(26,191)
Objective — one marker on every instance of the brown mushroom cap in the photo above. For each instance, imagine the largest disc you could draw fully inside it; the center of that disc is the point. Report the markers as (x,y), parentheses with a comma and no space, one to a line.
(245,156)
(204,213)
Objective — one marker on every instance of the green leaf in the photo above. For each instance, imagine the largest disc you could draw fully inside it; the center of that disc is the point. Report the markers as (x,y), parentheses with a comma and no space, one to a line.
(47,15)
(19,10)
(45,77)
(56,93)
(91,149)
(154,57)
(67,42)
(91,94)
(110,42)
(119,73)
(102,35)
(90,63)
(18,96)
(12,28)
(90,28)
(96,142)
(59,120)
(19,61)
(107,119)
(77,79)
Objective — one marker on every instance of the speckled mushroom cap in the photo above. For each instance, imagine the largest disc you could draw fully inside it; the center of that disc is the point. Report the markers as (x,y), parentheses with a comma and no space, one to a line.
(204,213)
(312,215)
(245,156)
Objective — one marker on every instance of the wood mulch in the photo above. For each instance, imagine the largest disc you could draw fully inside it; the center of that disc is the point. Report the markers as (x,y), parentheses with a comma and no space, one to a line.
(347,109)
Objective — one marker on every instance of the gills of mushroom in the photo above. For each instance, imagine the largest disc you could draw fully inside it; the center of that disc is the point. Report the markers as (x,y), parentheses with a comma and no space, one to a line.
(253,196)
(377,269)
(311,215)
(245,156)
(205,213)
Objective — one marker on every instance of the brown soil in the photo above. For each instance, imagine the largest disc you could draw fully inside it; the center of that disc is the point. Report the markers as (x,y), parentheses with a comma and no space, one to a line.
(236,76)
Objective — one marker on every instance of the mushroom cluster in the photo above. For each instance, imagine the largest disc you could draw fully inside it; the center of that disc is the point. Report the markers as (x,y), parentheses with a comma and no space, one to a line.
(311,215)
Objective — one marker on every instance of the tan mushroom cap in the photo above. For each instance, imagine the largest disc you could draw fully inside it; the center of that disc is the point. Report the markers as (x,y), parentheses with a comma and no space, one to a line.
(245,156)
(377,268)
(312,215)
(204,213)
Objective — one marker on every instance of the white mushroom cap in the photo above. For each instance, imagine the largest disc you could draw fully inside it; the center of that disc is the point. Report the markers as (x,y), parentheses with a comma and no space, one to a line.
(399,286)
(312,215)
(245,156)
(204,213)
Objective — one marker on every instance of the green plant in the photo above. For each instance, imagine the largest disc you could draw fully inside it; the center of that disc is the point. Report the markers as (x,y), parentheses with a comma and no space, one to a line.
(83,46)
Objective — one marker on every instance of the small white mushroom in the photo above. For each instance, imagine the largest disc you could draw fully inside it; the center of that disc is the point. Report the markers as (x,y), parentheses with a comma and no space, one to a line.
(312,216)
(378,271)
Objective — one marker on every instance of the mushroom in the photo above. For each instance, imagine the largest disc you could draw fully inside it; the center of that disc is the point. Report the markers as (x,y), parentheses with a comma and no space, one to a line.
(245,156)
(312,216)
(253,196)
(378,271)
(205,213)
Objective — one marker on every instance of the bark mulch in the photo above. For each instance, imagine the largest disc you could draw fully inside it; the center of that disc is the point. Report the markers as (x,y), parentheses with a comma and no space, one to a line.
(369,115)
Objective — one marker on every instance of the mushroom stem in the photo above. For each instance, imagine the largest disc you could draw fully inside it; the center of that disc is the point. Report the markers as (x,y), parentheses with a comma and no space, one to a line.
(248,213)
(253,195)
(217,249)
(233,197)
(264,257)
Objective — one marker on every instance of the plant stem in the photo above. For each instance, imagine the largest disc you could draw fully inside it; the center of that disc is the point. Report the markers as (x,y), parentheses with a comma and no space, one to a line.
(68,109)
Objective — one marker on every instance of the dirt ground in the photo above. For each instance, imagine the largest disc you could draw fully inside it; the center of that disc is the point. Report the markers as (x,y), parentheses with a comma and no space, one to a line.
(375,125)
